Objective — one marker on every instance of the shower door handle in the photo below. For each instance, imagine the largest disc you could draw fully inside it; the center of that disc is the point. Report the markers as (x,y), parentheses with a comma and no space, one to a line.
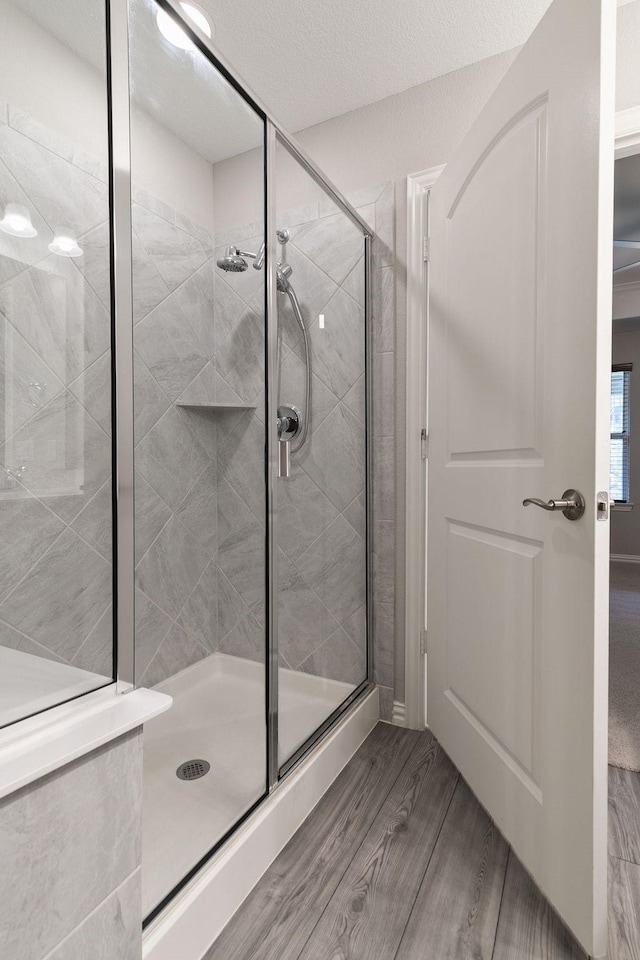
(284,458)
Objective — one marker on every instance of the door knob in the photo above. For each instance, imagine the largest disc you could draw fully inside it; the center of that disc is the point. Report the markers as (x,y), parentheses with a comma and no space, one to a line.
(572,504)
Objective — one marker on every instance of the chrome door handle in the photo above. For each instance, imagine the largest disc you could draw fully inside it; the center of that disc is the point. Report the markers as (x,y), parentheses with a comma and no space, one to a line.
(572,504)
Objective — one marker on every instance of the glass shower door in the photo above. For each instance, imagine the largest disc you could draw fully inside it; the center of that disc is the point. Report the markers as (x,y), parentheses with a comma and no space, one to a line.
(321,527)
(200,496)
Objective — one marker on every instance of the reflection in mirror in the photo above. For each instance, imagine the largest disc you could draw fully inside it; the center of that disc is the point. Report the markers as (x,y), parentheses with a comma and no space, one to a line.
(200,503)
(56,638)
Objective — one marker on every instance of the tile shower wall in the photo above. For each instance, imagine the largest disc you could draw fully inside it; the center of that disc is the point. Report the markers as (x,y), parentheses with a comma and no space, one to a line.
(70,878)
(55,484)
(321,507)
(175,446)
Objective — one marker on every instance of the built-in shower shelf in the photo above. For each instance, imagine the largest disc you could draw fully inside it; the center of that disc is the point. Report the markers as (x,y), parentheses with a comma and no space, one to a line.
(215,406)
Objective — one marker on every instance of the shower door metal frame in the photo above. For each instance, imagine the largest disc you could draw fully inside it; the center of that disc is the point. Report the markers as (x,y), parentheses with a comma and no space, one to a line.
(122,300)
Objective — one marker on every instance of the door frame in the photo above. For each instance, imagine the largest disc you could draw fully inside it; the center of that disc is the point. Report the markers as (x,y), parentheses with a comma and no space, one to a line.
(627,143)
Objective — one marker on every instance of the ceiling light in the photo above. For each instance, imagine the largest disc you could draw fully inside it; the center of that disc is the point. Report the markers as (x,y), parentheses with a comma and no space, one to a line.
(17,221)
(64,244)
(173,32)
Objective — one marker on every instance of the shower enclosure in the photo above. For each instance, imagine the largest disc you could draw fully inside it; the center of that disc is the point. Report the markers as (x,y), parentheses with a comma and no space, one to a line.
(191,318)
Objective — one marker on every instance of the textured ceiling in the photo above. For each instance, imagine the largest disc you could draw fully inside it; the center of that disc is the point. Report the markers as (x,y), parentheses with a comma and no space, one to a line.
(306,60)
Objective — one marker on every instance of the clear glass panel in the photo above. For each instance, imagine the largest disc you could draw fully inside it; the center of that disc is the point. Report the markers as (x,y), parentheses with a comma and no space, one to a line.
(199,339)
(56,576)
(321,507)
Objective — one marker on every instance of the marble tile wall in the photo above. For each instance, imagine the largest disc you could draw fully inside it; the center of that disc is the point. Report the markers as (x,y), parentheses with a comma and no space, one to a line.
(71,852)
(175,446)
(321,507)
(55,404)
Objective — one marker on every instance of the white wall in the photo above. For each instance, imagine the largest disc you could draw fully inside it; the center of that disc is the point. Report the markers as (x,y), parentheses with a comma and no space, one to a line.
(55,87)
(625,525)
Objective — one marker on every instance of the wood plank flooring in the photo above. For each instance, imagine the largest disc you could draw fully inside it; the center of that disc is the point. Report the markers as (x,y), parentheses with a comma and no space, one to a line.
(399,862)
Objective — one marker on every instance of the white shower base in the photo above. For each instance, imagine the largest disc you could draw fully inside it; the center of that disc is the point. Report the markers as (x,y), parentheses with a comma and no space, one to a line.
(218,715)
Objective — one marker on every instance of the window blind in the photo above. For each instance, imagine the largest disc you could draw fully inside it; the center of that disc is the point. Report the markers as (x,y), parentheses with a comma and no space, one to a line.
(619,462)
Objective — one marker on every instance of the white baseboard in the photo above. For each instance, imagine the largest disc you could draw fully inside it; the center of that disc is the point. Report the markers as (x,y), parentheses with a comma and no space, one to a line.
(188,926)
(624,557)
(398,713)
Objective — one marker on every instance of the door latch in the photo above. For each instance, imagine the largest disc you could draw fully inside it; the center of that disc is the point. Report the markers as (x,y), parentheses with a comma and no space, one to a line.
(602,505)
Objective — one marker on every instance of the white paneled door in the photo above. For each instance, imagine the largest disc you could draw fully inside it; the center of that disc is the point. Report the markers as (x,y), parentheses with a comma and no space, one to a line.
(519,379)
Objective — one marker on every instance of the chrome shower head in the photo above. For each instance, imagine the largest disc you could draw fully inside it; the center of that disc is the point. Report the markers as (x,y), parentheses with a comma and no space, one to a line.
(232,262)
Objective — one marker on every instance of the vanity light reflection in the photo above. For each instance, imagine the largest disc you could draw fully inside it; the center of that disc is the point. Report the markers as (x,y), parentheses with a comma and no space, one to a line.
(64,243)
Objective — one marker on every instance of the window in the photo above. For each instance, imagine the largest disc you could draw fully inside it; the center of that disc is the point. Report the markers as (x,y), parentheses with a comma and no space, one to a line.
(619,464)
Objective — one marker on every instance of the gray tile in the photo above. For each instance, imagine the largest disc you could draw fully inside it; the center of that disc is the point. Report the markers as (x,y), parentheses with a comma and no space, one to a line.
(96,653)
(336,659)
(384,244)
(171,567)
(313,288)
(199,616)
(383,560)
(303,513)
(14,640)
(337,351)
(240,357)
(152,626)
(66,455)
(383,395)
(93,390)
(335,566)
(242,558)
(293,389)
(112,930)
(291,218)
(234,235)
(202,388)
(228,307)
(363,196)
(149,289)
(62,597)
(355,399)
(149,399)
(241,462)
(169,347)
(233,513)
(151,514)
(335,457)
(55,835)
(356,514)
(384,478)
(26,382)
(197,230)
(152,203)
(64,195)
(27,530)
(15,254)
(384,316)
(177,652)
(198,510)
(171,455)
(94,523)
(386,704)
(353,284)
(175,254)
(383,626)
(231,606)
(59,316)
(247,640)
(303,619)
(196,302)
(56,143)
(356,627)
(333,243)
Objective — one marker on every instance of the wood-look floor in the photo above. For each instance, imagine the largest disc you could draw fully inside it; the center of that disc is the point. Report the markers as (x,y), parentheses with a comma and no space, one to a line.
(399,862)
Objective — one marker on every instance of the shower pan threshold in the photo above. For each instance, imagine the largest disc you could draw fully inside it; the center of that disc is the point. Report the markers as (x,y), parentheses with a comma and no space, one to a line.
(218,716)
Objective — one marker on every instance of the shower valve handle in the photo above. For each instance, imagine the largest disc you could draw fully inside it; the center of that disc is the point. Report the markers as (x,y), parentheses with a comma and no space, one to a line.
(284,459)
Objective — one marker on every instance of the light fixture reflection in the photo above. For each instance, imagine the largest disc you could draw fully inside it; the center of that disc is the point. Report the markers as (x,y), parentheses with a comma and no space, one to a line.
(17,221)
(172,32)
(64,243)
